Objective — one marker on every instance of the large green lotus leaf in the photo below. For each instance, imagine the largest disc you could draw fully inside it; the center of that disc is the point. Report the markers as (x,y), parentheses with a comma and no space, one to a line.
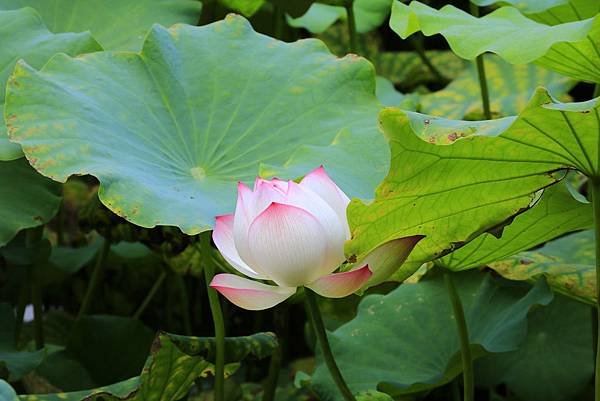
(454,193)
(570,49)
(28,199)
(510,88)
(568,264)
(557,352)
(369,14)
(24,36)
(555,214)
(174,363)
(415,332)
(116,24)
(17,362)
(168,140)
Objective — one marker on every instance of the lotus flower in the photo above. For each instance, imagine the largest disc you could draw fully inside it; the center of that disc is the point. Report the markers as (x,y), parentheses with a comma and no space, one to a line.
(292,234)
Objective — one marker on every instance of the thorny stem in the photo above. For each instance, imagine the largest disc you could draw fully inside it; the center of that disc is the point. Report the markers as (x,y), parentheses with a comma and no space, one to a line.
(215,308)
(150,295)
(353,45)
(485,96)
(595,184)
(463,335)
(95,279)
(316,321)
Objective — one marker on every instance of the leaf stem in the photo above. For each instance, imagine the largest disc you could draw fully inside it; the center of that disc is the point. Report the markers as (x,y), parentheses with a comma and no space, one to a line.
(596,91)
(278,19)
(34,237)
(316,322)
(351,20)
(417,44)
(185,305)
(95,279)
(215,308)
(150,295)
(595,184)
(485,96)
(273,376)
(463,335)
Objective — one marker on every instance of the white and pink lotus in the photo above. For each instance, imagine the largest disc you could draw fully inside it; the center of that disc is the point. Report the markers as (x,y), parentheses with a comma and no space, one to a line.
(293,234)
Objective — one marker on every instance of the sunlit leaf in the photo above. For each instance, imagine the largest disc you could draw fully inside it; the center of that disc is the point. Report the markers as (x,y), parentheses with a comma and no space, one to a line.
(415,324)
(555,214)
(28,199)
(570,49)
(510,88)
(116,24)
(550,12)
(555,363)
(454,193)
(168,140)
(24,36)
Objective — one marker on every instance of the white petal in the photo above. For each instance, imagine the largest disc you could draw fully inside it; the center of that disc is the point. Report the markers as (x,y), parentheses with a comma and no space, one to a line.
(288,244)
(335,233)
(319,182)
(249,294)
(223,238)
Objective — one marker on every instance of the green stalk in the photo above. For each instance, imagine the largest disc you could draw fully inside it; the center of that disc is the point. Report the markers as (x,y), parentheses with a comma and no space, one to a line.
(95,279)
(33,237)
(36,299)
(150,295)
(316,322)
(417,43)
(595,184)
(22,304)
(184,304)
(596,91)
(278,19)
(273,376)
(463,335)
(485,96)
(353,44)
(215,308)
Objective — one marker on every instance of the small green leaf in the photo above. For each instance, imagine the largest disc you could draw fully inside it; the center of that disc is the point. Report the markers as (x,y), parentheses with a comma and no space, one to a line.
(568,263)
(415,332)
(28,199)
(555,214)
(570,49)
(117,24)
(169,153)
(369,14)
(557,352)
(244,7)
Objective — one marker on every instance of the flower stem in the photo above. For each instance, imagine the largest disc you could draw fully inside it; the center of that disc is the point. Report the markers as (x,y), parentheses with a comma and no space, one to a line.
(485,96)
(316,321)
(416,41)
(353,44)
(34,238)
(273,376)
(150,295)
(219,324)
(463,335)
(595,184)
(95,279)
